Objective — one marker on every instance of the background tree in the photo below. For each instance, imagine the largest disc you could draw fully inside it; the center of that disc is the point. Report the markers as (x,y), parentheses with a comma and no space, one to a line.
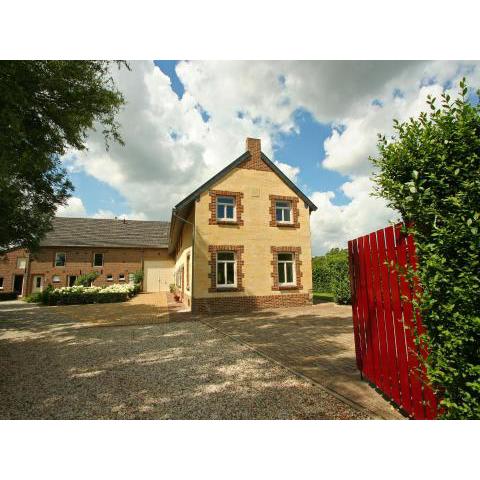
(331,275)
(430,172)
(47,107)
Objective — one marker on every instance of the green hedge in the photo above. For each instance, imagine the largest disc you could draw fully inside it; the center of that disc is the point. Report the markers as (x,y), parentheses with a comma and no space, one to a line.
(430,173)
(8,296)
(85,298)
(330,274)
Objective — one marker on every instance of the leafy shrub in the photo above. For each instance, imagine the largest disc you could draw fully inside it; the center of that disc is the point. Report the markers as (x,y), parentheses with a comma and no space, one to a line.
(8,296)
(81,295)
(330,274)
(430,173)
(87,279)
(138,277)
(34,298)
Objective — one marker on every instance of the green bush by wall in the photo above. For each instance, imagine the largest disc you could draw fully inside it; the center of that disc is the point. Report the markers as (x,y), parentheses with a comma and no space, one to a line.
(430,173)
(330,274)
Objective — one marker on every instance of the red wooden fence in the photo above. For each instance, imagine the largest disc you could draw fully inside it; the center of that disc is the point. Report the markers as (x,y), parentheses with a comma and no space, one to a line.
(384,323)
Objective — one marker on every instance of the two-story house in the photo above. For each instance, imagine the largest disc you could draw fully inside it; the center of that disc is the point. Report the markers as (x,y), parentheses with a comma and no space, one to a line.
(241,241)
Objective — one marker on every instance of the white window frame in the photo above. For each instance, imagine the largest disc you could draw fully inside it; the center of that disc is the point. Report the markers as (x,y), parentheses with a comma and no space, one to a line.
(234,261)
(283,209)
(109,277)
(24,260)
(65,259)
(283,264)
(103,259)
(121,277)
(56,281)
(225,205)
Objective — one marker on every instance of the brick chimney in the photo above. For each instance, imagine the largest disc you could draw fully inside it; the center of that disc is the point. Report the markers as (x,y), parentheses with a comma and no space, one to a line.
(254,147)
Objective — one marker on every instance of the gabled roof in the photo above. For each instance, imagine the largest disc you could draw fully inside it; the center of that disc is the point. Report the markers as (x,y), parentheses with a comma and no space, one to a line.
(182,209)
(96,232)
(242,158)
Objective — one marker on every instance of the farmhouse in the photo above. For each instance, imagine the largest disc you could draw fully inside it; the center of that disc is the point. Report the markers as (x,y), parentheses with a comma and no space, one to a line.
(241,241)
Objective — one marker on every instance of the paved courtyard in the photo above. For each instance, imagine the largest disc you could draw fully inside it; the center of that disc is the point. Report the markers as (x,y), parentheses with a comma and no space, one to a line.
(57,363)
(314,341)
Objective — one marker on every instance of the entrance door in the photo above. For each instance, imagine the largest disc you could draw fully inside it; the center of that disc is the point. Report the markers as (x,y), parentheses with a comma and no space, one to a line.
(18,284)
(37,285)
(157,277)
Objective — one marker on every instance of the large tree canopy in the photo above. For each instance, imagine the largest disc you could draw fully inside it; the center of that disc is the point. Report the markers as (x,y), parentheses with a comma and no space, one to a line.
(47,107)
(430,172)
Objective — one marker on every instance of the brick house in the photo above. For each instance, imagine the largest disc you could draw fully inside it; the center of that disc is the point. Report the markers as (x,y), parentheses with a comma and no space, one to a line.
(241,241)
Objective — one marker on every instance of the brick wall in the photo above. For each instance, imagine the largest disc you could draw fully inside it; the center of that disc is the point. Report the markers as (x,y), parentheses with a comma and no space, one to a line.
(249,303)
(79,260)
(8,268)
(255,161)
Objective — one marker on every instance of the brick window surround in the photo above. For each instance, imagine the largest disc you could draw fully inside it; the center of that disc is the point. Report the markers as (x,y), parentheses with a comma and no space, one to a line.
(294,203)
(298,271)
(238,250)
(212,206)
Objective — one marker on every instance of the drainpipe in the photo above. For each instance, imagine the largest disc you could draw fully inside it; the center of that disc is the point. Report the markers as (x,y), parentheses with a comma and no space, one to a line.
(26,280)
(194,229)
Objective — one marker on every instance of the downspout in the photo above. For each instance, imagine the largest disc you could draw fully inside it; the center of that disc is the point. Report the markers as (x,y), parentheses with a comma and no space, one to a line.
(194,229)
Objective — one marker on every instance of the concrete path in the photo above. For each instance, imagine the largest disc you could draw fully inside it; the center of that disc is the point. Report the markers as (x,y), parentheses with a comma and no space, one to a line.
(314,341)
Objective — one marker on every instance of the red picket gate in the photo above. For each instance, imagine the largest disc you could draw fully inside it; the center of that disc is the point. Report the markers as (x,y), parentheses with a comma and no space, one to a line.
(383,320)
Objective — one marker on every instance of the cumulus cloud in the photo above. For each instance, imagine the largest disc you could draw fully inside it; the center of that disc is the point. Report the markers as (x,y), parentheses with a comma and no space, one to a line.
(73,208)
(175,144)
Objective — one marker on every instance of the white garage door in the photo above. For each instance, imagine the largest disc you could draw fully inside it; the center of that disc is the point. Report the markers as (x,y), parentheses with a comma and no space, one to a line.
(157,276)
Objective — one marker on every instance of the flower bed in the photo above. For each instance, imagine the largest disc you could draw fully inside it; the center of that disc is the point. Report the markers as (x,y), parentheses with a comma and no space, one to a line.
(79,294)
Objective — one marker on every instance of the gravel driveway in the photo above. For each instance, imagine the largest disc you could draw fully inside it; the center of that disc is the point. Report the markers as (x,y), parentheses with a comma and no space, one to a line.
(52,367)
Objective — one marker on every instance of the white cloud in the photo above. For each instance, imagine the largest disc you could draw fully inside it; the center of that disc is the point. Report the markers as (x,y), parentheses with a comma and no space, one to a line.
(170,149)
(333,225)
(101,213)
(73,208)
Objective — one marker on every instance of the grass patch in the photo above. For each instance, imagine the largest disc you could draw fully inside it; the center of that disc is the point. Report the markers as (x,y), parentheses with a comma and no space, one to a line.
(322,297)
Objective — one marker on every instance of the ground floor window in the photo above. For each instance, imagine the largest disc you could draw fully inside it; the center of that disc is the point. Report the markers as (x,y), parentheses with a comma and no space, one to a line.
(1,283)
(226,276)
(286,269)
(109,277)
(71,280)
(56,279)
(121,277)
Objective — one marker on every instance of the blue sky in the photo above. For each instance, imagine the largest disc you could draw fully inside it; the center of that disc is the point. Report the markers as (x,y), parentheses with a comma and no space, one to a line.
(318,120)
(303,149)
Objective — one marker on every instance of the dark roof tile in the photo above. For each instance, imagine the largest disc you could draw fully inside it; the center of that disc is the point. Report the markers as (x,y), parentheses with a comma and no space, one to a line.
(99,232)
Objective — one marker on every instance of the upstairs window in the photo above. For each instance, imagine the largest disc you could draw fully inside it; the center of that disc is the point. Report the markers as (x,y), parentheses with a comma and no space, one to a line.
(98,259)
(226,209)
(286,270)
(60,259)
(21,263)
(226,274)
(283,211)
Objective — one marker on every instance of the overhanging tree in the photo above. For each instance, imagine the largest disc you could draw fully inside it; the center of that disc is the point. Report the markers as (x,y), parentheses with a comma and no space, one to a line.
(430,173)
(47,107)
